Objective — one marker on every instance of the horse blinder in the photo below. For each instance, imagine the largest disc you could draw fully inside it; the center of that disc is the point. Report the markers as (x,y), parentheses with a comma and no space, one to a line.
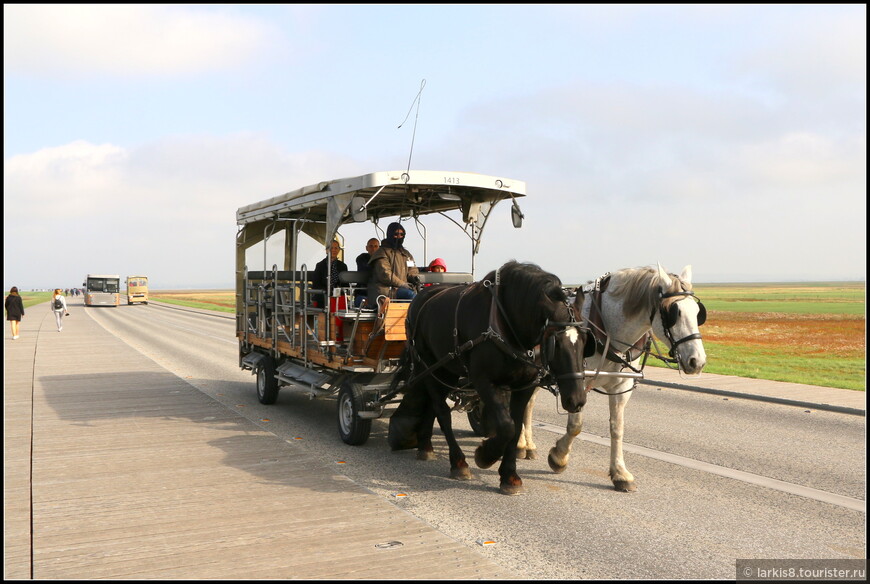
(589,347)
(549,348)
(673,313)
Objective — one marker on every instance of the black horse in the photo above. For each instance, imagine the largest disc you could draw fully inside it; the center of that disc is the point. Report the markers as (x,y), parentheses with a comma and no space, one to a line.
(483,335)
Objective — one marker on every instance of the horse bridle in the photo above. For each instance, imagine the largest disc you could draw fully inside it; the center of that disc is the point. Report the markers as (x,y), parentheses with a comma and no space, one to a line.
(669,318)
(548,342)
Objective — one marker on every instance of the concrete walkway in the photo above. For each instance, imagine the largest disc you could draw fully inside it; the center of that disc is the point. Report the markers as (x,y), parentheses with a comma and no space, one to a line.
(116,468)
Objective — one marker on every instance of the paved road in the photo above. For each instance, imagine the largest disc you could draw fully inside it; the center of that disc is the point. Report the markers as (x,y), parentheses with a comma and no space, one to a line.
(684,522)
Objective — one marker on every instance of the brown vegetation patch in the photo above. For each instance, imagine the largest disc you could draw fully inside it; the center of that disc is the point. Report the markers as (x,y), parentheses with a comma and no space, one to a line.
(841,335)
(225,299)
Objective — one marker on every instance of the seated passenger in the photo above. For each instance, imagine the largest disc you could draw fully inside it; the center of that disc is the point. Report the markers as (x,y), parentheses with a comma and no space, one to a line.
(437,266)
(362,265)
(394,273)
(362,260)
(326,276)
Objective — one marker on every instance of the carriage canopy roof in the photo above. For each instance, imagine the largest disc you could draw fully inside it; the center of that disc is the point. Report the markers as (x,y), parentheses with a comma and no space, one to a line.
(330,204)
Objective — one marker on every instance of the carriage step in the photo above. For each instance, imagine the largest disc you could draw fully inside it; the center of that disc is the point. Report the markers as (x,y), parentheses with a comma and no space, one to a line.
(291,372)
(252,361)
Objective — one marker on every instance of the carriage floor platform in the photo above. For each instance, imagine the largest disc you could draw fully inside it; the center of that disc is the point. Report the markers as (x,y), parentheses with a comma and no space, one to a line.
(114,469)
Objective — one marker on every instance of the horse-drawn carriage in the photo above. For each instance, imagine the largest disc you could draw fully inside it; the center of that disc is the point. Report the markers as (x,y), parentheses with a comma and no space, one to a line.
(487,345)
(336,348)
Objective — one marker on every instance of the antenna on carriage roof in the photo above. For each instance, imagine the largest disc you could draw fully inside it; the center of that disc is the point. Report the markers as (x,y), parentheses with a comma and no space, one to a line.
(417,115)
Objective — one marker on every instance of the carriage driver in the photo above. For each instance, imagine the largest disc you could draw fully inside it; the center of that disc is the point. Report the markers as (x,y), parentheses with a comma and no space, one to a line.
(394,273)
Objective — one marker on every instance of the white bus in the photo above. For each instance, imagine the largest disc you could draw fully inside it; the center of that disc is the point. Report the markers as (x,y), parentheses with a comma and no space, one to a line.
(102,290)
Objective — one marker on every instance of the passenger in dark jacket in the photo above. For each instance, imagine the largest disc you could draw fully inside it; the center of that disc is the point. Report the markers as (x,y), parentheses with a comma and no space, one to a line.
(14,311)
(394,273)
(326,273)
(362,260)
(362,265)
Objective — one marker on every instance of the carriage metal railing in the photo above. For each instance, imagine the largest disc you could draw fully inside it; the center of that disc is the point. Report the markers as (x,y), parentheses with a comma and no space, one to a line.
(270,301)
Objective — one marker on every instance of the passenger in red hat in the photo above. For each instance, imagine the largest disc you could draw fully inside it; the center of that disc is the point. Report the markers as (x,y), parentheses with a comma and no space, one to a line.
(437,265)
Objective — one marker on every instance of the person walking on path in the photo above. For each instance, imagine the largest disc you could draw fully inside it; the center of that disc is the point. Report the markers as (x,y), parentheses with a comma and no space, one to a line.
(58,305)
(14,311)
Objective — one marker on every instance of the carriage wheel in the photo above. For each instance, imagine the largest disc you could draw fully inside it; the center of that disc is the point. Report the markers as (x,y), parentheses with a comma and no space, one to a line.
(475,418)
(352,429)
(267,385)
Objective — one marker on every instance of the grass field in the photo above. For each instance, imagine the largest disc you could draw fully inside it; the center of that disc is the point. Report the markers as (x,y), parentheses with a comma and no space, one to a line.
(220,300)
(31,298)
(813,333)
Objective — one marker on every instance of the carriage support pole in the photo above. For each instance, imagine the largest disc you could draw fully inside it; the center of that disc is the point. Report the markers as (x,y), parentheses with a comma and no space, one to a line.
(618,374)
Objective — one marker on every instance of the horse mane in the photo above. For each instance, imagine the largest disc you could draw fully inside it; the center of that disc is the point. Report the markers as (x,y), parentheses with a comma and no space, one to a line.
(529,279)
(639,289)
(523,283)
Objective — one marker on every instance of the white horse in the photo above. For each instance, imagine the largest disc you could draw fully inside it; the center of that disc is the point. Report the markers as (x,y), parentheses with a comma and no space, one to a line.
(621,310)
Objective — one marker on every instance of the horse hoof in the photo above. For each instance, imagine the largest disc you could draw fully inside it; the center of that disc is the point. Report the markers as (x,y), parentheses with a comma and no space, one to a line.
(461,474)
(479,461)
(511,489)
(531,454)
(625,486)
(556,468)
(426,455)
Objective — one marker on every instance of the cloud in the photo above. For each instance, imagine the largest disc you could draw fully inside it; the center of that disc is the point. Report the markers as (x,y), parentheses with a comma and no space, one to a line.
(811,56)
(129,40)
(166,208)
(66,181)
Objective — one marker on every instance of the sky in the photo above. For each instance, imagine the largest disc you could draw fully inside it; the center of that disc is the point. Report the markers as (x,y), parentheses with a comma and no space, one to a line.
(731,138)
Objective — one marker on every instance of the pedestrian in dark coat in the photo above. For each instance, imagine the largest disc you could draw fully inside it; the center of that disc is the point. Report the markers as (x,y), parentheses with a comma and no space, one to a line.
(14,311)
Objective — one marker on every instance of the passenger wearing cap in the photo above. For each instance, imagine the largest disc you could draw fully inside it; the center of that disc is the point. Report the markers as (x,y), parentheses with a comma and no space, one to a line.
(394,273)
(437,266)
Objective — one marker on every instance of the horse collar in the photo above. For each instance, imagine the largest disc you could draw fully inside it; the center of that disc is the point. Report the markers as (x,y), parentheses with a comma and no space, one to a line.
(599,285)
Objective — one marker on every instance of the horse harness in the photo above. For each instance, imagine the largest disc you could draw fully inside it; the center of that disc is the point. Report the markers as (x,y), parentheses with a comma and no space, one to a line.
(496,334)
(598,333)
(596,329)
